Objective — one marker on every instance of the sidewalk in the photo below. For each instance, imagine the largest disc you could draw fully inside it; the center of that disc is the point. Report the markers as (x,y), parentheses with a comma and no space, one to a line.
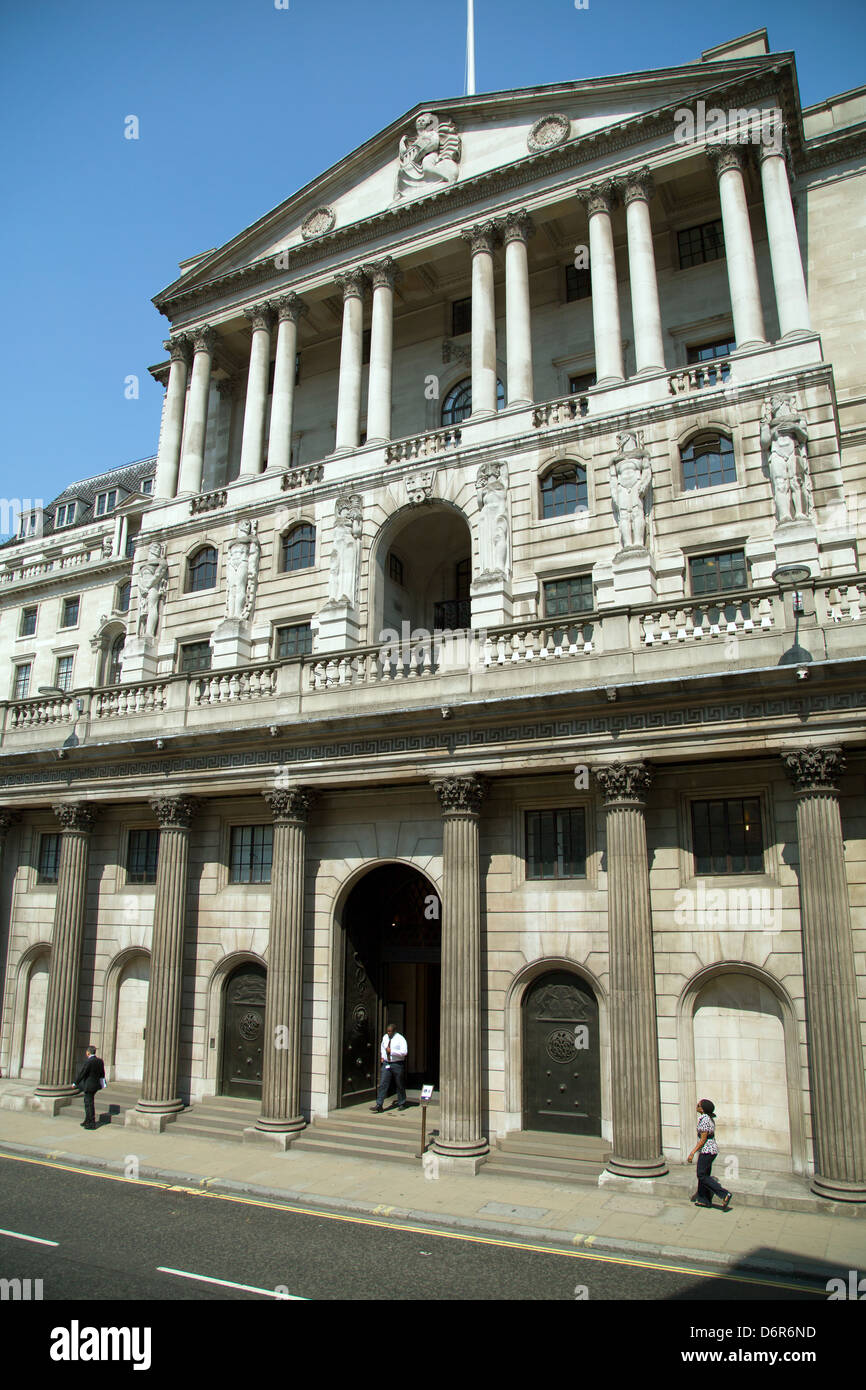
(606,1219)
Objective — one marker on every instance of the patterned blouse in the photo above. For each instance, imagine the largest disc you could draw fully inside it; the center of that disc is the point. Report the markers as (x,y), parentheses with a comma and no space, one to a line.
(706,1126)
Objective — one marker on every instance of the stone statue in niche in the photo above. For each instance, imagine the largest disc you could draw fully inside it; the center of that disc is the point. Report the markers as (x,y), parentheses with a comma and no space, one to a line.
(631,490)
(494,534)
(152,585)
(346,551)
(429,159)
(242,571)
(784,440)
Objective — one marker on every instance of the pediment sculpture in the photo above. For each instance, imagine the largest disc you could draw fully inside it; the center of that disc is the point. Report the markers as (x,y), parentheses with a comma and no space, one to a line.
(429,158)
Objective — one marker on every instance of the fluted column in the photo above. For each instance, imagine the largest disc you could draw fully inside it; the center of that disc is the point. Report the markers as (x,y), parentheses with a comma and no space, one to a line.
(789,281)
(637,1147)
(637,189)
(352,285)
(168,460)
(61,1009)
(261,318)
(606,330)
(729,162)
(281,1120)
(383,276)
(832,1015)
(460,1144)
(290,309)
(517,229)
(159,1102)
(195,431)
(482,239)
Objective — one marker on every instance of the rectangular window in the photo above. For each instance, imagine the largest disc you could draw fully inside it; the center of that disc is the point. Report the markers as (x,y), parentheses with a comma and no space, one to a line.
(69,612)
(461,317)
(717,574)
(578,284)
(63,675)
(580,383)
(195,656)
(251,853)
(556,844)
(28,622)
(294,641)
(700,244)
(64,515)
(105,502)
(565,596)
(395,568)
(22,681)
(142,853)
(49,858)
(727,837)
(146,486)
(27,524)
(708,352)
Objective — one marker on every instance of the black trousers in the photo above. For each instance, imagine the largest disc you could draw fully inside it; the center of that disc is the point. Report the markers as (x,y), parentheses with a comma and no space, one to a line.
(397,1071)
(89,1108)
(707,1184)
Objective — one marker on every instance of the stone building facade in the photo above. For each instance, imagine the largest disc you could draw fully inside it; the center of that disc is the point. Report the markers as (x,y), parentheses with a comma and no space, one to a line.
(492,650)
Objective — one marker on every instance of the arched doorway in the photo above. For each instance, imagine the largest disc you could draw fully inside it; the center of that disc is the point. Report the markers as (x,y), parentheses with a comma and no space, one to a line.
(243,1032)
(422,572)
(131,1019)
(561,1056)
(34,1016)
(392,928)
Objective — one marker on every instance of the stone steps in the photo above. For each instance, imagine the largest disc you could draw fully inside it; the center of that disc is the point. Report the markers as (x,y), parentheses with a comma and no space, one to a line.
(357,1133)
(559,1158)
(217,1117)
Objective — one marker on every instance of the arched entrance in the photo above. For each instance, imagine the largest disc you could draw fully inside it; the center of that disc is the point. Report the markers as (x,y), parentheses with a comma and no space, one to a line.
(391,973)
(422,570)
(34,1015)
(243,1032)
(561,1056)
(131,1018)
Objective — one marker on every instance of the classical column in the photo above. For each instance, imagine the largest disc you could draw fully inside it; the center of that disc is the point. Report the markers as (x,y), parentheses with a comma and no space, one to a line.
(192,453)
(637,1148)
(517,229)
(281,1120)
(599,200)
(168,461)
(833,1024)
(728,162)
(55,1087)
(159,1102)
(482,239)
(637,189)
(460,1144)
(792,300)
(383,276)
(290,309)
(353,285)
(261,318)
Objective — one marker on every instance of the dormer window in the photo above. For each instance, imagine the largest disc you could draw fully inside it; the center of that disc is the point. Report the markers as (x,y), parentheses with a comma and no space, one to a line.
(105,502)
(146,486)
(28,525)
(64,515)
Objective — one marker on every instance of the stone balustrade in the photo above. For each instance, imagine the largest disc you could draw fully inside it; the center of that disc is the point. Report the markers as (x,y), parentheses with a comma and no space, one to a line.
(562,412)
(32,714)
(699,376)
(208,501)
(124,700)
(540,642)
(423,446)
(846,603)
(232,687)
(694,621)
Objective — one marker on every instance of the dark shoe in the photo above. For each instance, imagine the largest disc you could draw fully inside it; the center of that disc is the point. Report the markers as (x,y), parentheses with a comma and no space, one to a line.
(703,1204)
(375,1109)
(726,1201)
(402,1107)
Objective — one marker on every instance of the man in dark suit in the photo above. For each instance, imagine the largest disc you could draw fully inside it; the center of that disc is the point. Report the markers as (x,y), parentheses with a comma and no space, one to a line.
(89,1081)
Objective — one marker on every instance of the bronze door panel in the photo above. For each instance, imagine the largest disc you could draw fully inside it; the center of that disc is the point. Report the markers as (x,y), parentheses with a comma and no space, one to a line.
(244,1033)
(561,1069)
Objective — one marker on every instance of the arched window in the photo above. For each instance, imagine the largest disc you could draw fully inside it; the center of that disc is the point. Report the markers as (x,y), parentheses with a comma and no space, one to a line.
(202,569)
(299,548)
(708,461)
(563,490)
(123,593)
(458,402)
(112,665)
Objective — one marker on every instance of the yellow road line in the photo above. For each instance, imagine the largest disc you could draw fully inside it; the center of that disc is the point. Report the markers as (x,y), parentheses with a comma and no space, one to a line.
(412,1230)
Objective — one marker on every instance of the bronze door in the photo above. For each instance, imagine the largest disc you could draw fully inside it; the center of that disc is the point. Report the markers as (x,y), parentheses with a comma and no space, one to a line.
(561,1072)
(361,1030)
(244,1033)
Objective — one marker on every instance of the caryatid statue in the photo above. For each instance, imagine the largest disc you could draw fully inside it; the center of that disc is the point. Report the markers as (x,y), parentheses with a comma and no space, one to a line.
(152,585)
(784,438)
(631,490)
(494,531)
(346,550)
(429,159)
(242,570)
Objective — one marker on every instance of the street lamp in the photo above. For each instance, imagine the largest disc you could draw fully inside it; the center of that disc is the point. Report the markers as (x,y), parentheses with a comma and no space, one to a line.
(792,576)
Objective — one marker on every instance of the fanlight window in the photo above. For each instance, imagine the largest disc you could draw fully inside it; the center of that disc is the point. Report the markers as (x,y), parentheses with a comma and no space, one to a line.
(708,461)
(299,548)
(563,490)
(202,569)
(458,402)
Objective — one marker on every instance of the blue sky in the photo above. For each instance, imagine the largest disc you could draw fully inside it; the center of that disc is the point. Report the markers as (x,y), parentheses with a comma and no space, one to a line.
(240,104)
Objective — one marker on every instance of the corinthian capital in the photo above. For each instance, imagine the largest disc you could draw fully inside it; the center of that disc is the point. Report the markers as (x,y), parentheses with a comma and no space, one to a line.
(599,197)
(75,815)
(724,155)
(290,805)
(260,315)
(815,769)
(484,236)
(637,186)
(291,307)
(517,226)
(174,812)
(460,796)
(203,339)
(352,283)
(179,347)
(624,783)
(383,273)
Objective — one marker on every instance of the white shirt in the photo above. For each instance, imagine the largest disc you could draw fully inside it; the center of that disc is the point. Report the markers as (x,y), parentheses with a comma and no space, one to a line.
(399,1048)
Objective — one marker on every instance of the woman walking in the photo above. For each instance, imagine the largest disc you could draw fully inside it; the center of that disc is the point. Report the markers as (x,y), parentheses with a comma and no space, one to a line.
(706,1148)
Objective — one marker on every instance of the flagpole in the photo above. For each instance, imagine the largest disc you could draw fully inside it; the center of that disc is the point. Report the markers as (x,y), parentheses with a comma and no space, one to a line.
(470,48)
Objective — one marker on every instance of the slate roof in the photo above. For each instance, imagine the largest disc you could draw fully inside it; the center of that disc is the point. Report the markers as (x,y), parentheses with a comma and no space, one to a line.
(127,480)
